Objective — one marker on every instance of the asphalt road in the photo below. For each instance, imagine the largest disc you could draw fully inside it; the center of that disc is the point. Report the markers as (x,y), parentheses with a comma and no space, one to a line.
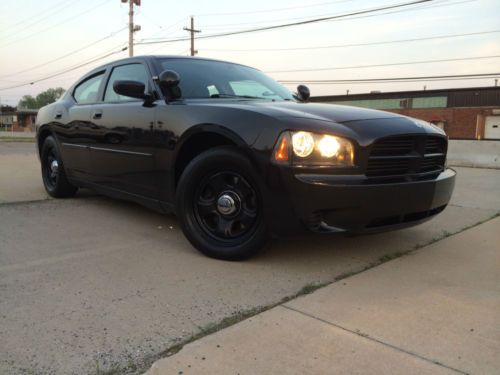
(90,284)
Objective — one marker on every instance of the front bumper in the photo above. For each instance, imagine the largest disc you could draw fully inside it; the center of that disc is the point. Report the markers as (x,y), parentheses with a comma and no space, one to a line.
(334,203)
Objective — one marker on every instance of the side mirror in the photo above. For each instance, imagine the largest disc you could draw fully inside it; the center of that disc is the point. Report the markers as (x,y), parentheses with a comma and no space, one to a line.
(303,92)
(133,89)
(169,82)
(169,78)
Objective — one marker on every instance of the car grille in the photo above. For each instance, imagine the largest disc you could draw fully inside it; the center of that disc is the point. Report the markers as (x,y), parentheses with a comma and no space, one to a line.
(408,157)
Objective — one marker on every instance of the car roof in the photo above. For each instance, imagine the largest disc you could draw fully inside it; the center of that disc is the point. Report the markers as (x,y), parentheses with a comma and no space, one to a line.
(154,57)
(142,58)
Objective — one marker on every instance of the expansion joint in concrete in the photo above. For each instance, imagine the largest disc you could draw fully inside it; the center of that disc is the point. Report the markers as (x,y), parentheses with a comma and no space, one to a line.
(367,337)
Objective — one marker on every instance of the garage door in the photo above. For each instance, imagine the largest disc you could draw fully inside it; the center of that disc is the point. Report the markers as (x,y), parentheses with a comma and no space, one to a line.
(492,127)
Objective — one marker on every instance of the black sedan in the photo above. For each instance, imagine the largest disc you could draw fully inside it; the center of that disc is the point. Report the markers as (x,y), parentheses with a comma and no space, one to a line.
(237,156)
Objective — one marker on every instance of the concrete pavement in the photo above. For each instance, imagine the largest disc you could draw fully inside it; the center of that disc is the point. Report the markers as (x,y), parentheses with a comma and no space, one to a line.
(91,284)
(435,311)
(20,178)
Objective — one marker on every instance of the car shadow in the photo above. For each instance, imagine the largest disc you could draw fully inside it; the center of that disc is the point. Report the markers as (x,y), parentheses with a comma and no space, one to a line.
(307,249)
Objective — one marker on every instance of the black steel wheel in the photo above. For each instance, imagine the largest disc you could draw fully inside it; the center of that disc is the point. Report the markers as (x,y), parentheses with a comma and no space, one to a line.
(226,206)
(51,169)
(54,178)
(219,205)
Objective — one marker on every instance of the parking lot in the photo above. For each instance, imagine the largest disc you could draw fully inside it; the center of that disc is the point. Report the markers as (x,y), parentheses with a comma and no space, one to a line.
(92,284)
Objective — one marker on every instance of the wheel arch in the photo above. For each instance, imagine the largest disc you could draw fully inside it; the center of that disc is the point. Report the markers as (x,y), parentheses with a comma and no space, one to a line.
(200,139)
(43,133)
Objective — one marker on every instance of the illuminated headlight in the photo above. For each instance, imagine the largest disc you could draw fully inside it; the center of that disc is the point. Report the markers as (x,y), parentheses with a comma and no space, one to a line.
(310,149)
(328,146)
(303,144)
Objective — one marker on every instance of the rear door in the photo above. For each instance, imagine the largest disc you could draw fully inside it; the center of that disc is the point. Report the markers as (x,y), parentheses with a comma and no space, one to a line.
(123,132)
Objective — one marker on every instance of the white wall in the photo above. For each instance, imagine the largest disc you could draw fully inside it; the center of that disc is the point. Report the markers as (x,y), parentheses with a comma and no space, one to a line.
(481,154)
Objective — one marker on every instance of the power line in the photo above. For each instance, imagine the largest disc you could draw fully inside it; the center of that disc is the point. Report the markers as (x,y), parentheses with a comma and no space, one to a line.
(351,44)
(67,70)
(435,4)
(162,31)
(388,64)
(228,26)
(54,25)
(275,9)
(65,55)
(300,23)
(181,20)
(41,14)
(396,79)
(41,19)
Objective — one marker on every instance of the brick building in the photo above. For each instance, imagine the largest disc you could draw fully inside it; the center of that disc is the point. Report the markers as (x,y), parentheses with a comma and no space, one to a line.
(21,120)
(468,113)
(7,119)
(25,120)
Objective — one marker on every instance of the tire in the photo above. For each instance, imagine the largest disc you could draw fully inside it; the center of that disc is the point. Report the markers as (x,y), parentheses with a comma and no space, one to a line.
(219,205)
(54,179)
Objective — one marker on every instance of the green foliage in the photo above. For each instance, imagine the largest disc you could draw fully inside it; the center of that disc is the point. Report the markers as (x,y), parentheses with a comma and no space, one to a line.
(27,101)
(42,99)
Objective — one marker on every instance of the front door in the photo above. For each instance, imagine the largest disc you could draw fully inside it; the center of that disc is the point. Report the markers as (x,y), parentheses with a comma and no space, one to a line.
(124,148)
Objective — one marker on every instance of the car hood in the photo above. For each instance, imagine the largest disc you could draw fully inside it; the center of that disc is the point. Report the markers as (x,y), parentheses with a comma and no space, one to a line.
(316,111)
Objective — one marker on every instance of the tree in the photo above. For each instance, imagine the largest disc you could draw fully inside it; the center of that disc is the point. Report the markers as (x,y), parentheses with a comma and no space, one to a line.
(42,99)
(28,102)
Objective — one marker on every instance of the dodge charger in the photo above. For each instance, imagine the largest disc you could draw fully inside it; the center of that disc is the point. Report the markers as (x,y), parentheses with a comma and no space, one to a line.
(238,157)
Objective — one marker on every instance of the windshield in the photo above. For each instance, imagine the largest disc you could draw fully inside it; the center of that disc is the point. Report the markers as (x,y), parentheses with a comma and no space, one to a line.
(215,79)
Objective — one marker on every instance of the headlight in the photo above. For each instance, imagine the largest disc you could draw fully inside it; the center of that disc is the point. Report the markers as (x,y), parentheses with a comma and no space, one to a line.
(328,146)
(310,149)
(303,144)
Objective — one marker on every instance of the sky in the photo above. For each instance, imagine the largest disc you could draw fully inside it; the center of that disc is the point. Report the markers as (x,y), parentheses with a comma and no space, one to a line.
(36,36)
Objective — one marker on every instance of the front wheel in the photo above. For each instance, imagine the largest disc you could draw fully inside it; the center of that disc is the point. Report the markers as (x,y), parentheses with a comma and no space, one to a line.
(219,205)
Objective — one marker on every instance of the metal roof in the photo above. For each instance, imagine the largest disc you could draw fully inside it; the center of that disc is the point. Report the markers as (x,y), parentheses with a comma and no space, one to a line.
(27,111)
(460,97)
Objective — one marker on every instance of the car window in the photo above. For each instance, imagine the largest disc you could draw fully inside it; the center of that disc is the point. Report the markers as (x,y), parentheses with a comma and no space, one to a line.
(86,92)
(130,72)
(252,88)
(216,79)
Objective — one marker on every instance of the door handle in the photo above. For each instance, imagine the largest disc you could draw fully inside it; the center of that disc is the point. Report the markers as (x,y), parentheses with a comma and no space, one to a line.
(97,115)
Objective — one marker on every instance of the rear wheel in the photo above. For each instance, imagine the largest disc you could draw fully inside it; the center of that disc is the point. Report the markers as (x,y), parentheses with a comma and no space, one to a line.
(220,206)
(54,178)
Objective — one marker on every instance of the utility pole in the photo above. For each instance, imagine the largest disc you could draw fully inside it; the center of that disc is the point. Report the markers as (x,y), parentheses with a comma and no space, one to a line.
(131,27)
(192,30)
